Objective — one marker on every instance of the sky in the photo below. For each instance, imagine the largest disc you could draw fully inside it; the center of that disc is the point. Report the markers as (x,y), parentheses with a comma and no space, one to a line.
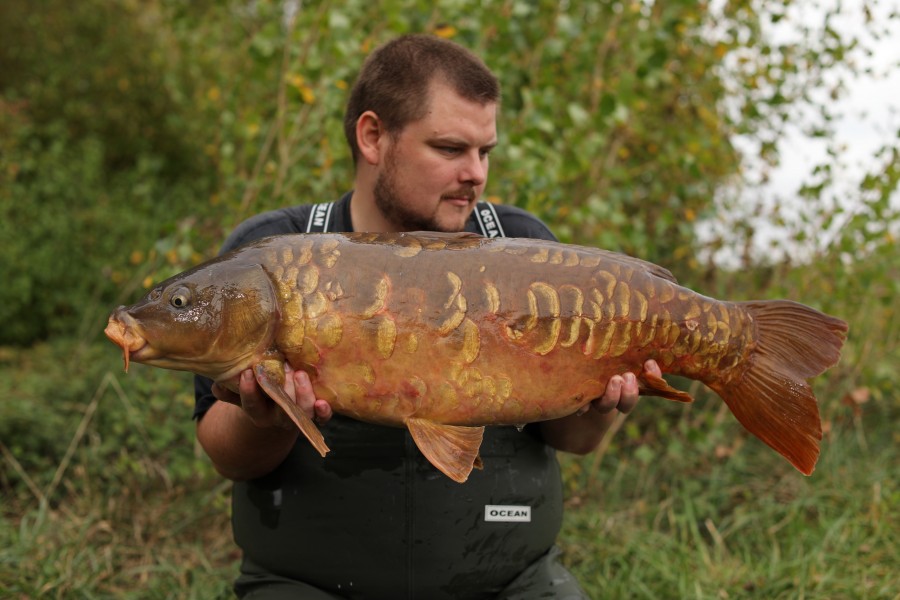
(869,119)
(870,109)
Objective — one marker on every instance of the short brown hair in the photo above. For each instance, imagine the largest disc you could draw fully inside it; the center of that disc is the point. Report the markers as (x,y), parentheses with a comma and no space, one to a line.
(394,80)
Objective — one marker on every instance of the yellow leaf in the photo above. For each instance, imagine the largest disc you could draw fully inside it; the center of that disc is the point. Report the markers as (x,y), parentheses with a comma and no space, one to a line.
(445,31)
(148,282)
(721,50)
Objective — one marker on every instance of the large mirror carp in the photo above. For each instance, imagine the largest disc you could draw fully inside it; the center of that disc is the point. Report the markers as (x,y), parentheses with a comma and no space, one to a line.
(445,334)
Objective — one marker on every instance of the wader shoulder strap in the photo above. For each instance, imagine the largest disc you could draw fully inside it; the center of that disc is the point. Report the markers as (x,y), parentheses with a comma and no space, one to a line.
(485,215)
(488,221)
(319,218)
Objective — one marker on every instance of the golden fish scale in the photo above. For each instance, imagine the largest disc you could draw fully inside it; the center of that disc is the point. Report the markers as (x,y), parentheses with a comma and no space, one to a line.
(503,331)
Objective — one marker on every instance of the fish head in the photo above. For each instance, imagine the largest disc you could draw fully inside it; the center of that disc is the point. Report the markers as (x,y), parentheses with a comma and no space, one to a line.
(214,320)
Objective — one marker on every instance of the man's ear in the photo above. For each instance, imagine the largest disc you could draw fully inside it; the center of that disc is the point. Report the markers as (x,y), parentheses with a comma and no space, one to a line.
(370,137)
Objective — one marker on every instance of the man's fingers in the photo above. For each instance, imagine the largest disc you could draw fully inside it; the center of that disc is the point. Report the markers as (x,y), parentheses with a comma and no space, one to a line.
(225,395)
(610,399)
(318,410)
(252,400)
(323,412)
(630,393)
(303,392)
(622,393)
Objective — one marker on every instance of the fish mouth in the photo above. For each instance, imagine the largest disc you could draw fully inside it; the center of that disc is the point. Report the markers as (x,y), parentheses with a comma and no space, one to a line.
(121,330)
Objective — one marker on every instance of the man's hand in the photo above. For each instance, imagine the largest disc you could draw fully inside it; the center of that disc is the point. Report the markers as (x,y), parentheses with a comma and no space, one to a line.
(581,432)
(622,392)
(247,434)
(263,411)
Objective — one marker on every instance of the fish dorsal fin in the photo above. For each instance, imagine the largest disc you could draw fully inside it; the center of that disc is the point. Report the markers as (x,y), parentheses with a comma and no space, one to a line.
(452,449)
(270,376)
(443,235)
(637,264)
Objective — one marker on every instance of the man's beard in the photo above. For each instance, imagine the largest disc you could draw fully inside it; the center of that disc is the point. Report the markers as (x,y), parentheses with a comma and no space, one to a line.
(400,214)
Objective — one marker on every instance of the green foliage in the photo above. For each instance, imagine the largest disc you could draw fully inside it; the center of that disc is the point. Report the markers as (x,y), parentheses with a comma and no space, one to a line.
(96,70)
(96,161)
(607,107)
(71,228)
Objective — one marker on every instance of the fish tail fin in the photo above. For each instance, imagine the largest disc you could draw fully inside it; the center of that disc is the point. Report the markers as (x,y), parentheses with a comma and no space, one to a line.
(768,393)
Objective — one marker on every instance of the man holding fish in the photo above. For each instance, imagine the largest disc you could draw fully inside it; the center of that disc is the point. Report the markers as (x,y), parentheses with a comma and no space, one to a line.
(375,519)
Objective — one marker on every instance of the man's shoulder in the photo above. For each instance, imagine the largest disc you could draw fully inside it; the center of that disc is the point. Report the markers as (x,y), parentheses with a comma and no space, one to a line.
(517,222)
(291,219)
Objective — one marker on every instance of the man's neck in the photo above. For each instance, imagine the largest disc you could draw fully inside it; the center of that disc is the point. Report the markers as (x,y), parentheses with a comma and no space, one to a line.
(364,215)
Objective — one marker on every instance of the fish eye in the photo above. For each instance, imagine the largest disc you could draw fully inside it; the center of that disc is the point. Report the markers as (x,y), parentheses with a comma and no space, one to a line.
(181,298)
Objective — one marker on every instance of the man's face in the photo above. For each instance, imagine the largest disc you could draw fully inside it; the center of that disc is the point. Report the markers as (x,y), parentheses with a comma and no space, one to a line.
(436,168)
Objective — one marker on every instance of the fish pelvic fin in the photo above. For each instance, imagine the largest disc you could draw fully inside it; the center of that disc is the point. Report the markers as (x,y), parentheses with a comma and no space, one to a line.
(771,396)
(452,449)
(270,376)
(651,385)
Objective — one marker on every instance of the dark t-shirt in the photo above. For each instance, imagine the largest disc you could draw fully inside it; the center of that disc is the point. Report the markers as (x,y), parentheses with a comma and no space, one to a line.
(374,519)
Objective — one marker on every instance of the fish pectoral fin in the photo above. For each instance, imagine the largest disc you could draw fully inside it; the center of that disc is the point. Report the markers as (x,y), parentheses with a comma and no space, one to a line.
(452,449)
(651,385)
(270,376)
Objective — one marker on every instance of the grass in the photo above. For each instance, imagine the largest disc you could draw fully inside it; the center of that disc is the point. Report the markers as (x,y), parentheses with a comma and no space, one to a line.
(105,495)
(745,525)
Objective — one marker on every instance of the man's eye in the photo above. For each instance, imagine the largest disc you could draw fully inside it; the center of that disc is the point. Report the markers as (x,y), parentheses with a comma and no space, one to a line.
(449,150)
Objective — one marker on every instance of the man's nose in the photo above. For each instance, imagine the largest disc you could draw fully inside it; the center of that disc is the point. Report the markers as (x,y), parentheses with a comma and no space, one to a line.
(475,169)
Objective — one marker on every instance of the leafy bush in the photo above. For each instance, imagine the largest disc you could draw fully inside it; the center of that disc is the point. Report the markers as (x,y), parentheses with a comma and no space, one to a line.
(96,163)
(71,229)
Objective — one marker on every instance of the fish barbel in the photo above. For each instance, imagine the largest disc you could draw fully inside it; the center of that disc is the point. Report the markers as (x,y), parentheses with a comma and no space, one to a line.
(446,333)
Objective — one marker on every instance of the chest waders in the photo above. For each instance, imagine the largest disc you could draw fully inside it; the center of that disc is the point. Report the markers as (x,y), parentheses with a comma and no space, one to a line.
(375,520)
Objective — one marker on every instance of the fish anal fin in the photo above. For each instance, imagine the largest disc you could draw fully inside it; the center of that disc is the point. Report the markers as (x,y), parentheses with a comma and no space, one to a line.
(651,385)
(270,376)
(452,449)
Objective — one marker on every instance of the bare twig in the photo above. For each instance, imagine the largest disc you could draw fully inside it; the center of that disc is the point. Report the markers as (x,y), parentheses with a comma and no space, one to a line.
(601,450)
(17,467)
(109,380)
(76,439)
